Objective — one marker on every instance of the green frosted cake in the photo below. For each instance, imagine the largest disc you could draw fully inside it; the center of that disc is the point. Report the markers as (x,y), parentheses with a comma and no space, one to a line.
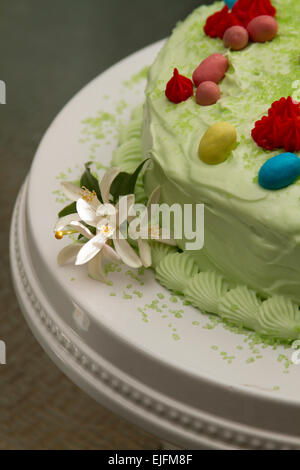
(221,128)
(249,269)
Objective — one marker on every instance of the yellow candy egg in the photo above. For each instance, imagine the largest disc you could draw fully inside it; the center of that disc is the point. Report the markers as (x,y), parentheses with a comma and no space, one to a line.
(217,143)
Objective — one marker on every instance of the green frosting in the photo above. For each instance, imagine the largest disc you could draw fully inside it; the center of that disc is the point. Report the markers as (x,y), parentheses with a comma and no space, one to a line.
(249,270)
(175,271)
(252,236)
(241,306)
(276,317)
(160,251)
(129,153)
(205,290)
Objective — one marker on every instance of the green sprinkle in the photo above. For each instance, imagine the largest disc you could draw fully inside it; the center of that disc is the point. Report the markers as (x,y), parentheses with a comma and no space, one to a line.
(136,78)
(138,294)
(250,360)
(127,296)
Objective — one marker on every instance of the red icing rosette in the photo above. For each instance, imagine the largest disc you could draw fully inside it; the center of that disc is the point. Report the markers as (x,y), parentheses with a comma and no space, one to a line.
(246,10)
(179,88)
(219,22)
(241,14)
(281,128)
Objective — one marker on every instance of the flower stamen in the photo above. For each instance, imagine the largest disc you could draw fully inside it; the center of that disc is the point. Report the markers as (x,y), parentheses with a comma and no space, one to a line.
(88,195)
(154,232)
(62,233)
(106,230)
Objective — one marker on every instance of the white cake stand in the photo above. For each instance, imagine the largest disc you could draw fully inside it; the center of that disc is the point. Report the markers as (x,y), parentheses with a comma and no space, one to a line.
(131,345)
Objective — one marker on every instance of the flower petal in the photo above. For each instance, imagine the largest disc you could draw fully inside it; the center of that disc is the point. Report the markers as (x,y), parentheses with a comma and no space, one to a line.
(90,250)
(110,253)
(82,229)
(123,208)
(106,183)
(67,253)
(127,253)
(102,222)
(72,191)
(145,253)
(65,221)
(86,212)
(106,210)
(95,268)
(134,229)
(154,198)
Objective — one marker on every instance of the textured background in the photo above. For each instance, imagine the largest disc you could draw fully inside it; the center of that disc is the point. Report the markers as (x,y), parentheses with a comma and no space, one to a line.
(49,49)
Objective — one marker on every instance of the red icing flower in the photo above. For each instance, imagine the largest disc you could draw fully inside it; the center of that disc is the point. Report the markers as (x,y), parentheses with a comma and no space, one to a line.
(241,14)
(219,22)
(281,128)
(179,88)
(246,10)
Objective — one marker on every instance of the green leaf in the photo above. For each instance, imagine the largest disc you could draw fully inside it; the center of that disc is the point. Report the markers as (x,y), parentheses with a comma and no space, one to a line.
(125,182)
(90,182)
(70,209)
(91,229)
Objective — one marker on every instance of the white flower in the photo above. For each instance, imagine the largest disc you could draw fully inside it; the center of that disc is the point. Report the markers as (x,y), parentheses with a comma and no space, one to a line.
(95,264)
(141,229)
(106,219)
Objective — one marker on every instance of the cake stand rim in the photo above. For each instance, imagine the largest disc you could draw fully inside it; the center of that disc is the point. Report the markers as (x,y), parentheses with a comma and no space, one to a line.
(158,416)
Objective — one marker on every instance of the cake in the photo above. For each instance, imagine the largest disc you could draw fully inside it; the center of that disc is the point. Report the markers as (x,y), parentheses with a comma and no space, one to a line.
(248,271)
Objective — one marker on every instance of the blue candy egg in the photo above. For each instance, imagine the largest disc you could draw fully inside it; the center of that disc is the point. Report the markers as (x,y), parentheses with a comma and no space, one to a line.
(280,171)
(230,3)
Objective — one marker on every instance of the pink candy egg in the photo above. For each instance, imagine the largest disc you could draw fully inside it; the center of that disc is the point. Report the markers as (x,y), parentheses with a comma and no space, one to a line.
(208,93)
(212,69)
(236,38)
(262,28)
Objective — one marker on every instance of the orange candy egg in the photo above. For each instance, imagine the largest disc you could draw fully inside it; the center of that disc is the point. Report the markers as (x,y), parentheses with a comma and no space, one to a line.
(236,38)
(208,93)
(212,69)
(262,28)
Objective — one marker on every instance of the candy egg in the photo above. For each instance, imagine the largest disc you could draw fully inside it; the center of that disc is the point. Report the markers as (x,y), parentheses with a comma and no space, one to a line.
(280,171)
(217,143)
(230,3)
(208,93)
(236,38)
(212,69)
(262,28)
